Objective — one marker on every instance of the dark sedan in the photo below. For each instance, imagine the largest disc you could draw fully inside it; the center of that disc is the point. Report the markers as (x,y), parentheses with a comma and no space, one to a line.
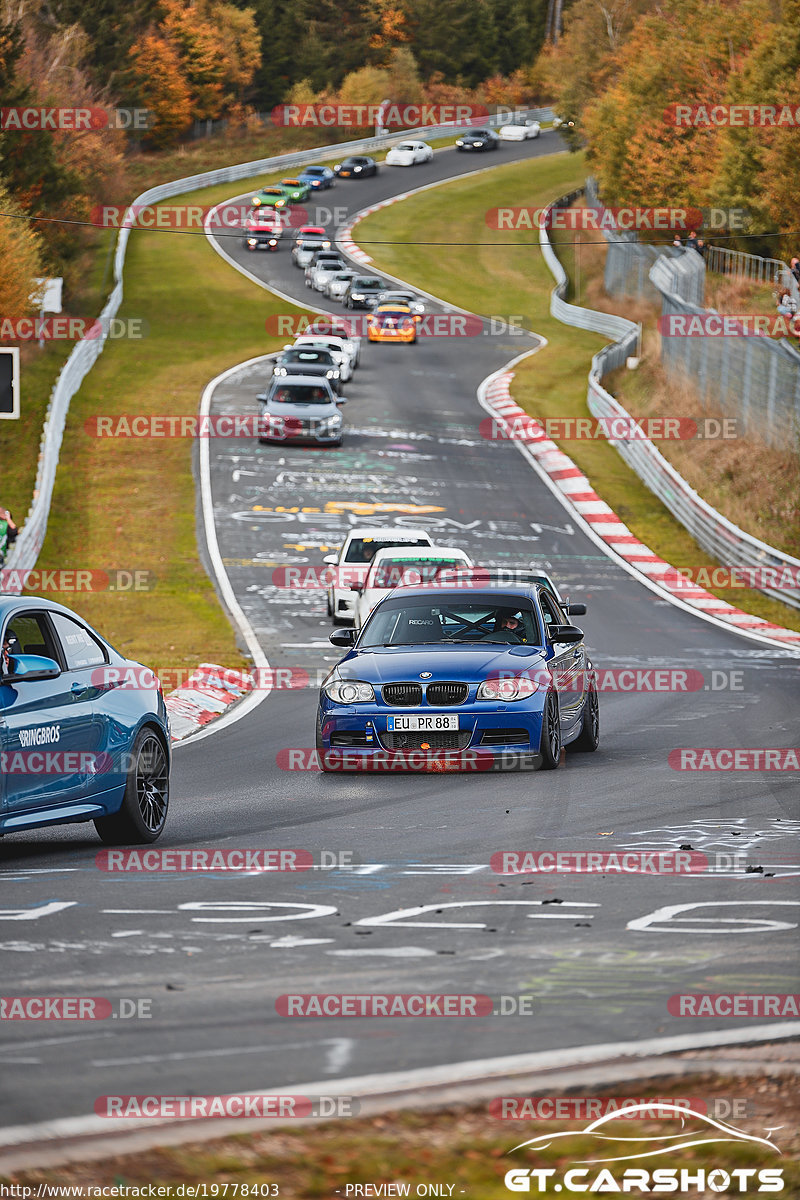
(363,292)
(356,167)
(478,139)
(307,360)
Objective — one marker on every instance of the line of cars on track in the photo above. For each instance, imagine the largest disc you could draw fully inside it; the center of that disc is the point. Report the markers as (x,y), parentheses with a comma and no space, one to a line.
(446,658)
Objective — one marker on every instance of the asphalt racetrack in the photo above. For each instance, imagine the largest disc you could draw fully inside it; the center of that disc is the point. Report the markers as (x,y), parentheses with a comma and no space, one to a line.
(598,955)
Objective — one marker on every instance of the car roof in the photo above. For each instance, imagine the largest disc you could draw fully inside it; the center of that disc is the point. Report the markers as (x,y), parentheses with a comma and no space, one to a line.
(299,381)
(449,593)
(420,552)
(384,531)
(9,602)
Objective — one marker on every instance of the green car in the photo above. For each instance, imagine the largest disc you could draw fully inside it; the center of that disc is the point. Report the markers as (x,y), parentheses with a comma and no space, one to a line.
(271,197)
(296,190)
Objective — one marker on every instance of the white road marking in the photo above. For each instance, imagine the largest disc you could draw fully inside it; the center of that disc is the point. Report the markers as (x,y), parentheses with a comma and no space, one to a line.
(675,922)
(339,1053)
(221,1052)
(397,917)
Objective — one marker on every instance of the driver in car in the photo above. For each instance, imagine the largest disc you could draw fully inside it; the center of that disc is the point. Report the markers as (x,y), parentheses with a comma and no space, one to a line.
(511,622)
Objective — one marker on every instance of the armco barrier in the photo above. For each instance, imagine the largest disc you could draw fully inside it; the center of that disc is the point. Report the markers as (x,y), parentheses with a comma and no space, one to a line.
(717,535)
(28,545)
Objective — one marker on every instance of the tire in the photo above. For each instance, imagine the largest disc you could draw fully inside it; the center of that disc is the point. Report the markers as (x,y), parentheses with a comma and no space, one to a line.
(588,739)
(143,813)
(551,735)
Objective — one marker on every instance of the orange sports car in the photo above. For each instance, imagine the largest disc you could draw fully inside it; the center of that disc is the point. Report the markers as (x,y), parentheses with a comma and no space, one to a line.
(392,323)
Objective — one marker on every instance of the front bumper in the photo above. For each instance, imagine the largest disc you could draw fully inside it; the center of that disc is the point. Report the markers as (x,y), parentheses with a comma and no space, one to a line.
(490,737)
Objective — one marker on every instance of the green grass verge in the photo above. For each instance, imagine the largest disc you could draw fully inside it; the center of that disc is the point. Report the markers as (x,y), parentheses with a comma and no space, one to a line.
(503,272)
(129,504)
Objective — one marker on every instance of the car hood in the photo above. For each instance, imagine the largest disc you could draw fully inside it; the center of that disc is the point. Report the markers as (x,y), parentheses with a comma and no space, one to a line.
(461,663)
(301,412)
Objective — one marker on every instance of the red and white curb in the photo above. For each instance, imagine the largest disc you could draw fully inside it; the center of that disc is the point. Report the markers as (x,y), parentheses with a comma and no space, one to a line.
(207,694)
(579,494)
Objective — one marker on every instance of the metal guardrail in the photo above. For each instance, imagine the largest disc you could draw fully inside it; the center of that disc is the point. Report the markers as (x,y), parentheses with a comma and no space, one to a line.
(25,551)
(752,266)
(729,544)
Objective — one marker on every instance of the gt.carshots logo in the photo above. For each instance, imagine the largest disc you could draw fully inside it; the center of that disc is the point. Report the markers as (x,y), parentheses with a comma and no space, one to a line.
(616,1145)
(389,116)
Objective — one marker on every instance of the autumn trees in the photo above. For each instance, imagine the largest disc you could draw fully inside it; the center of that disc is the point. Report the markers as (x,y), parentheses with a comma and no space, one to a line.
(622,64)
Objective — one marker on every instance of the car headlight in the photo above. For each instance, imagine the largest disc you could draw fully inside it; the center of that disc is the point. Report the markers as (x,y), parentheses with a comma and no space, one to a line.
(513,688)
(356,295)
(349,691)
(273,241)
(356,168)
(251,241)
(279,371)
(459,141)
(331,374)
(280,203)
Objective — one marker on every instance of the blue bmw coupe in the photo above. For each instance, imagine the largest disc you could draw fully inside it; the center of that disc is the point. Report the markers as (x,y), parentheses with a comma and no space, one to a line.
(467,677)
(84,733)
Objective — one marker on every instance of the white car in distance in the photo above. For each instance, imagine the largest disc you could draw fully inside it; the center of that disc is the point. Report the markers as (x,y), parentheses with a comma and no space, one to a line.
(520,129)
(338,284)
(409,154)
(352,560)
(393,568)
(323,272)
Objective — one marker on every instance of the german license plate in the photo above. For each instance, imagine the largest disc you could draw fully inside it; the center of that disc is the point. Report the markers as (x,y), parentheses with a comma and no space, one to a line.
(422,723)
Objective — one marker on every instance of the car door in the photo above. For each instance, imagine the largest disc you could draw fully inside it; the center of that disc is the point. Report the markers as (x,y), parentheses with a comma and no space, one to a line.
(49,729)
(567,664)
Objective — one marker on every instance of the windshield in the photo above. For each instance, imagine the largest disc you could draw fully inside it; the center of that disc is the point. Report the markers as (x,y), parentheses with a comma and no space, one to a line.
(363,550)
(464,622)
(301,394)
(308,356)
(410,572)
(405,146)
(367,283)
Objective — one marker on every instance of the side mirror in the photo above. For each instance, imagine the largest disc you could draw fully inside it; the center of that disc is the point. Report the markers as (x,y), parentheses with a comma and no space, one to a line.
(565,633)
(331,559)
(356,587)
(575,610)
(342,637)
(341,399)
(262,398)
(27,668)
